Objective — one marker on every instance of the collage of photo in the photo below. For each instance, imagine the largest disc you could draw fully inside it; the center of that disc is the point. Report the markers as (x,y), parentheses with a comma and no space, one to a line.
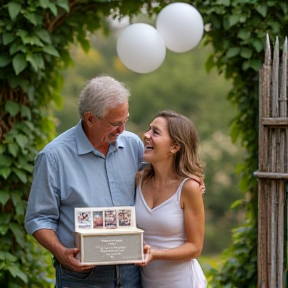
(101,218)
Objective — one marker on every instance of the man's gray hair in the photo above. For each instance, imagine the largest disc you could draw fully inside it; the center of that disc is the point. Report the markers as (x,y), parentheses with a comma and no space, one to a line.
(101,94)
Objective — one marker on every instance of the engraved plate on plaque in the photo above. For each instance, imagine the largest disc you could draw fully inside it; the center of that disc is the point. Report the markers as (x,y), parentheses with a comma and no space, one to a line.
(112,248)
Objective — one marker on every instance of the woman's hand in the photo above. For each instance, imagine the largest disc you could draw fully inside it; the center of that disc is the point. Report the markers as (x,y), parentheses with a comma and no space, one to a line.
(147,255)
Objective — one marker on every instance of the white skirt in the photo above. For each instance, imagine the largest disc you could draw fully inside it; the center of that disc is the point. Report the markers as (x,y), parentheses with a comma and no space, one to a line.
(199,278)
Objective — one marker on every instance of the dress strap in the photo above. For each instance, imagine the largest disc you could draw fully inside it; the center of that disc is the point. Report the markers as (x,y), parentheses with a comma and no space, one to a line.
(179,190)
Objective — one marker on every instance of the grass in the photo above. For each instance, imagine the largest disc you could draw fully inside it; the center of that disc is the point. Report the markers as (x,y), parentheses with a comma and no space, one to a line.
(209,262)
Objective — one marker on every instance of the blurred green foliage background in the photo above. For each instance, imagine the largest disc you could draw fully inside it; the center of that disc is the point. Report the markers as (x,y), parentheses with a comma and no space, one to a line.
(181,84)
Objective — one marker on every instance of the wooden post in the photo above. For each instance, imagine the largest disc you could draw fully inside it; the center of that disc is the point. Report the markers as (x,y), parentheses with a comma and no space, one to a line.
(272,171)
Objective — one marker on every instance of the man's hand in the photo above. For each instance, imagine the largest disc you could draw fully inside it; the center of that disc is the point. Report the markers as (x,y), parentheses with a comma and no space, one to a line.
(66,256)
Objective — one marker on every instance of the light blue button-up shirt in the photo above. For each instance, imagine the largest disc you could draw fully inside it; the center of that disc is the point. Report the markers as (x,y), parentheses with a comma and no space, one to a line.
(69,172)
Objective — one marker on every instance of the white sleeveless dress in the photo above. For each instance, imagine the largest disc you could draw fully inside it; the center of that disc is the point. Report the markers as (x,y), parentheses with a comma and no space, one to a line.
(163,229)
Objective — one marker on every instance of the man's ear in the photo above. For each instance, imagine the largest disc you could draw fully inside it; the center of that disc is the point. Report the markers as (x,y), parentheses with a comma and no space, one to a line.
(88,118)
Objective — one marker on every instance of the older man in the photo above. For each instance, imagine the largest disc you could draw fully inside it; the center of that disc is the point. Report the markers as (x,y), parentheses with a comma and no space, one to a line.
(91,165)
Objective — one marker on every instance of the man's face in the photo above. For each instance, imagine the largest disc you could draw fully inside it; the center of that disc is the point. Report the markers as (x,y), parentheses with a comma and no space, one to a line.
(112,124)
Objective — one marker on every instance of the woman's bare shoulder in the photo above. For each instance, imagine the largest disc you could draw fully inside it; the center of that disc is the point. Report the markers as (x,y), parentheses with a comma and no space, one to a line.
(191,188)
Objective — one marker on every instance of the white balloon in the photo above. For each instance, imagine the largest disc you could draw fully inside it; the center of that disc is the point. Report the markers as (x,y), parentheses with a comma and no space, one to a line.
(181,26)
(141,48)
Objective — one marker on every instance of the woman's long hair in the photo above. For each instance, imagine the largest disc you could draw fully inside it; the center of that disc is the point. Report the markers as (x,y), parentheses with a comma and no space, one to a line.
(184,133)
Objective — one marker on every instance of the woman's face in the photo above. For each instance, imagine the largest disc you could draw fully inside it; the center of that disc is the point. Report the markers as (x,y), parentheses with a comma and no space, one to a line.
(157,141)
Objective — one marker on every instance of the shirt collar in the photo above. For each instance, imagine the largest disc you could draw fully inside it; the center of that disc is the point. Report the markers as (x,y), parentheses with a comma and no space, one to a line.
(83,144)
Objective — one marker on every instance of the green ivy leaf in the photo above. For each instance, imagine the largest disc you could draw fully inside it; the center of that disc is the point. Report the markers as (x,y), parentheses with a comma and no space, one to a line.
(262,9)
(244,34)
(246,53)
(21,139)
(19,63)
(20,174)
(255,64)
(51,50)
(16,272)
(18,233)
(24,127)
(237,203)
(64,4)
(275,27)
(85,44)
(32,40)
(31,17)
(43,35)
(5,161)
(14,8)
(5,218)
(5,172)
(18,81)
(271,3)
(9,139)
(40,19)
(12,107)
(284,7)
(234,131)
(22,33)
(36,60)
(245,65)
(4,197)
(52,8)
(16,197)
(3,229)
(13,149)
(16,47)
(24,164)
(58,100)
(31,93)
(4,60)
(44,3)
(25,111)
(209,64)
(233,19)
(2,149)
(223,2)
(6,256)
(20,208)
(258,45)
(7,38)
(234,51)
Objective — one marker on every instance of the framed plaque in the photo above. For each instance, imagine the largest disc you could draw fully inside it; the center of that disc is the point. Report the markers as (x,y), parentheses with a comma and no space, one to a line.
(108,235)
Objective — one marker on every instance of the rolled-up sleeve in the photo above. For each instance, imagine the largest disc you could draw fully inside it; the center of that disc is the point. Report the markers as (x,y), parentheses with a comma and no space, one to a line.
(43,203)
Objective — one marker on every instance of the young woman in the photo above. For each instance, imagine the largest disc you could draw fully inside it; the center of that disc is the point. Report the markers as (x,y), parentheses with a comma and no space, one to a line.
(169,204)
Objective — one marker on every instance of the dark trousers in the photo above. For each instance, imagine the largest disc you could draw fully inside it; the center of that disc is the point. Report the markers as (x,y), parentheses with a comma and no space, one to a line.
(106,276)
